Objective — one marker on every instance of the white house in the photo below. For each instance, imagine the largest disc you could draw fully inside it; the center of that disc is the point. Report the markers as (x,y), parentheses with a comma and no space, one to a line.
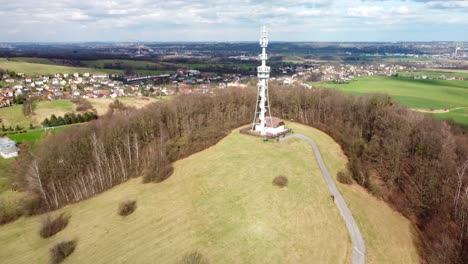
(8,148)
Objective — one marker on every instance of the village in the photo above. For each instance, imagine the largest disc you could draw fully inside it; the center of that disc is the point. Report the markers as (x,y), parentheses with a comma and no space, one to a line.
(96,86)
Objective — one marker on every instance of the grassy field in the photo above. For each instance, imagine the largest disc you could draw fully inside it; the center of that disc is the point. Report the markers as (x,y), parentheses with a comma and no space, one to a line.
(34,136)
(459,115)
(12,116)
(433,73)
(44,109)
(417,94)
(5,177)
(221,203)
(388,235)
(30,68)
(102,105)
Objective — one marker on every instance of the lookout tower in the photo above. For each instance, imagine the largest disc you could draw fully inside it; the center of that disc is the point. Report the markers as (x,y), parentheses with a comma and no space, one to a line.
(264,123)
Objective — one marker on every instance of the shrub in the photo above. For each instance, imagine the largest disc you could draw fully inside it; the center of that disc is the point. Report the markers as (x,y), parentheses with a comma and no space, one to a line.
(344,177)
(51,226)
(32,205)
(194,258)
(280,181)
(8,212)
(62,250)
(127,207)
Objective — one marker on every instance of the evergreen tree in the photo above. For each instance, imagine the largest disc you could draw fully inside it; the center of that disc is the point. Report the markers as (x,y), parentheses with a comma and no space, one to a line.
(67,119)
(60,121)
(46,122)
(53,121)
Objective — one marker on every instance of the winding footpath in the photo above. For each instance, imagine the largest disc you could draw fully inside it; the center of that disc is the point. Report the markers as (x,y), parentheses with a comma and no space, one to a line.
(359,247)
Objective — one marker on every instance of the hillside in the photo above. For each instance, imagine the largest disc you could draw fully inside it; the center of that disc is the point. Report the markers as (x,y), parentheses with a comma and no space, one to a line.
(417,94)
(221,203)
(31,68)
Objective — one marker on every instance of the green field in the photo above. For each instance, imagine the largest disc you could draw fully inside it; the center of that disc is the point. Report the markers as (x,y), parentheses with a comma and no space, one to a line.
(12,116)
(29,68)
(417,94)
(459,116)
(222,204)
(435,74)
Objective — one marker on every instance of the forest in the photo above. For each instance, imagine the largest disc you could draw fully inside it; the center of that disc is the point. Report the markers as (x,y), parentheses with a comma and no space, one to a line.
(415,163)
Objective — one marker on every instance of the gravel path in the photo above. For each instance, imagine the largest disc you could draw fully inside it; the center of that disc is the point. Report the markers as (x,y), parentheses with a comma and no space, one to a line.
(359,247)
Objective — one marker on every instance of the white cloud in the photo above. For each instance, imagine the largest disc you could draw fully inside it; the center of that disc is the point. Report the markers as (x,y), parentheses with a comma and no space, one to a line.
(163,18)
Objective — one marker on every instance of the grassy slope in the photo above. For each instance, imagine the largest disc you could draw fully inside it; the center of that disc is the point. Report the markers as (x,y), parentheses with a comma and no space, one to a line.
(12,116)
(419,94)
(218,202)
(388,235)
(459,115)
(44,109)
(102,105)
(436,73)
(221,203)
(422,94)
(37,68)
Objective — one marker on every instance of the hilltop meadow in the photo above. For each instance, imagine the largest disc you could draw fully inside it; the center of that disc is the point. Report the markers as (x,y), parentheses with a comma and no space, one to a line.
(389,149)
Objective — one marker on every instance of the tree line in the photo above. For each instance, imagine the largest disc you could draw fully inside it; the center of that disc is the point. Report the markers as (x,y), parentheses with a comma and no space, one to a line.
(68,119)
(413,162)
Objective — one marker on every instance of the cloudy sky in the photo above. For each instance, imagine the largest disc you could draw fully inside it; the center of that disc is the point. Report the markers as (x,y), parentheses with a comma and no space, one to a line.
(232,20)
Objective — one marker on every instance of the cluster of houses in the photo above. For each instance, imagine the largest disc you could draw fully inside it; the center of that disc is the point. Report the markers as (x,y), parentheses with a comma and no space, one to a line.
(91,86)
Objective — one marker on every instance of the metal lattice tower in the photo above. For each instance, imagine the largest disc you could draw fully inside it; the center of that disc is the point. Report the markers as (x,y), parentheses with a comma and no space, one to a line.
(262,109)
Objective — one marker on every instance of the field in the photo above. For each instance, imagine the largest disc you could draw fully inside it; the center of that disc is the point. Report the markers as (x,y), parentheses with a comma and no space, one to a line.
(436,73)
(221,203)
(38,68)
(12,116)
(417,94)
(102,105)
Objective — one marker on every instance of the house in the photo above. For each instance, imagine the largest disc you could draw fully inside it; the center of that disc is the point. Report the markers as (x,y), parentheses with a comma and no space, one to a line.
(8,148)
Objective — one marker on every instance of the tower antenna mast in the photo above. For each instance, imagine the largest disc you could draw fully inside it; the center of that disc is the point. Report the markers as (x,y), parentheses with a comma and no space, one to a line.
(263,100)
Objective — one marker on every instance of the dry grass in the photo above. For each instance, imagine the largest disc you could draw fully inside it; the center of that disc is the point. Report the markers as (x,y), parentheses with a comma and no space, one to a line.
(222,204)
(388,235)
(102,105)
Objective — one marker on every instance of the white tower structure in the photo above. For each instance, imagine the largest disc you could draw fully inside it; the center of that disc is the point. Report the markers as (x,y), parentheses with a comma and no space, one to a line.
(263,102)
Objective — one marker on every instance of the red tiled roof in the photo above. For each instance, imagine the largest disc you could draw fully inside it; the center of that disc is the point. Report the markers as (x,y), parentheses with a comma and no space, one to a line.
(274,122)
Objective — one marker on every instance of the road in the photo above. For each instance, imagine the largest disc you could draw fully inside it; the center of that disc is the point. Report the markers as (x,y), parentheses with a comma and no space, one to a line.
(359,247)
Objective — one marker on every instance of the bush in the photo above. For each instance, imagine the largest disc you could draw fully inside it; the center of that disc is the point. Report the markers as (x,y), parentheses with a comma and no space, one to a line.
(194,258)
(52,226)
(8,212)
(344,177)
(280,181)
(127,207)
(32,205)
(62,250)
